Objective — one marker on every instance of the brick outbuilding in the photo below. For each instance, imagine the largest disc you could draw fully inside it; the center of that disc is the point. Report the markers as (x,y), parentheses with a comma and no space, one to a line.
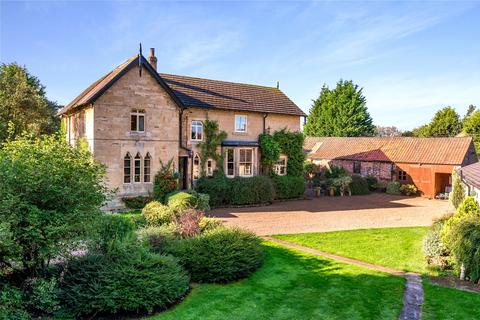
(425,162)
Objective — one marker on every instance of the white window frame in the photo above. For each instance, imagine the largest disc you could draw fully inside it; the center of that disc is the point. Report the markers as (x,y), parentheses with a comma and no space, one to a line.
(278,167)
(240,163)
(232,162)
(137,113)
(195,124)
(237,116)
(209,167)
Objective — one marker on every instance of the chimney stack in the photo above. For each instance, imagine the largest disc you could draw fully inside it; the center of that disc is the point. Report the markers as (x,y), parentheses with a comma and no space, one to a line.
(152,59)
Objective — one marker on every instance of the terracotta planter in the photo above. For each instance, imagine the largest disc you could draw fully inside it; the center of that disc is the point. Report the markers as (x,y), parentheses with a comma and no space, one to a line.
(318,191)
(332,192)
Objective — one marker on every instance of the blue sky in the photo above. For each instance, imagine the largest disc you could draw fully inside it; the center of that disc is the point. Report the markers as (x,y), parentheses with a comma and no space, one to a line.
(411,58)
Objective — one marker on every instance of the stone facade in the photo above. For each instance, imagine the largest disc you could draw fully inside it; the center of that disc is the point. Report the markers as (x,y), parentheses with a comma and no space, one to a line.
(257,123)
(106,126)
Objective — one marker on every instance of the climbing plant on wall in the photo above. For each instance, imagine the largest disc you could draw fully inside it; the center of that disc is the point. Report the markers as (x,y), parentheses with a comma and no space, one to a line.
(270,151)
(289,144)
(208,147)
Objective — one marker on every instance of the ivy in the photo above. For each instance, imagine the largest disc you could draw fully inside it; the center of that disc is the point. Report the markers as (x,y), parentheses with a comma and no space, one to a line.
(287,143)
(270,150)
(208,148)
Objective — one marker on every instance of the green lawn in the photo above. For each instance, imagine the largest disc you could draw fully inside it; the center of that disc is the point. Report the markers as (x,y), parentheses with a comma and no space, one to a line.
(449,304)
(398,248)
(295,285)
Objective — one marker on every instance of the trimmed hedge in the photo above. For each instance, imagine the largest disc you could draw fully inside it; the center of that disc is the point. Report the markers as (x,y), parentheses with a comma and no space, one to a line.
(359,186)
(288,187)
(132,279)
(217,187)
(237,191)
(219,255)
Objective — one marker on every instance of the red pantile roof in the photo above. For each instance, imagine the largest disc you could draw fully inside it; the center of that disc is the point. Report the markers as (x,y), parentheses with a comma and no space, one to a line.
(198,92)
(452,151)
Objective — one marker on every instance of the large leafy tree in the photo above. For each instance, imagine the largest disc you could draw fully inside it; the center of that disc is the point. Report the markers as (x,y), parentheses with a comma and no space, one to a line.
(471,126)
(23,104)
(50,194)
(340,112)
(445,123)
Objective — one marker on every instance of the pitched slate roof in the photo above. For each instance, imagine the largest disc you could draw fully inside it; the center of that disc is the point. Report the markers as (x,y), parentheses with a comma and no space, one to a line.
(451,151)
(206,93)
(471,174)
(197,92)
(95,90)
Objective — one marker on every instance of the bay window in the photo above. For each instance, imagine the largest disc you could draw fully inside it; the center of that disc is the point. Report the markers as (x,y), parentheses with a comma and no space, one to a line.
(245,163)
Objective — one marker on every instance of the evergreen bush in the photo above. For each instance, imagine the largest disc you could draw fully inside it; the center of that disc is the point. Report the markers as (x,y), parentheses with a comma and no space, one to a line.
(458,191)
(359,186)
(393,187)
(219,255)
(434,249)
(128,279)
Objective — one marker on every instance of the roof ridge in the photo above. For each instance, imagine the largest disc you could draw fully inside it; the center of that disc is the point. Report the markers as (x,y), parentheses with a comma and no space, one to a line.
(224,81)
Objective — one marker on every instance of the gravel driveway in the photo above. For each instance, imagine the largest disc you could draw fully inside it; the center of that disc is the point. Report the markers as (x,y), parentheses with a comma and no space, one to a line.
(335,213)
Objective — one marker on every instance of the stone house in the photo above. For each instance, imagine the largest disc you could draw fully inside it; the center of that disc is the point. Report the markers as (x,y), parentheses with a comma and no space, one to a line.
(425,162)
(133,118)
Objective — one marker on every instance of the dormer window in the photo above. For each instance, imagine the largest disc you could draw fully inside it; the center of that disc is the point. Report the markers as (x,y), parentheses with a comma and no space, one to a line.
(137,120)
(240,123)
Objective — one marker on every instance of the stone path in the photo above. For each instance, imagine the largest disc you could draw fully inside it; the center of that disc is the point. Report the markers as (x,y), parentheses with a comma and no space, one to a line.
(413,294)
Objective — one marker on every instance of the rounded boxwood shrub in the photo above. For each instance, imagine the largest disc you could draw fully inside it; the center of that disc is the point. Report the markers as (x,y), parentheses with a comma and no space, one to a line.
(219,255)
(288,187)
(393,187)
(129,279)
(359,186)
(156,213)
(180,201)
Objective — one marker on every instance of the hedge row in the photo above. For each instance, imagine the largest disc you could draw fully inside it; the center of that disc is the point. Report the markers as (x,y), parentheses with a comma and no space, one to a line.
(236,191)
(253,190)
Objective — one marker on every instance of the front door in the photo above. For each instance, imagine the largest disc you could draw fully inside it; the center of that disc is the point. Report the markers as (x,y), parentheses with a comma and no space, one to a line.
(183,171)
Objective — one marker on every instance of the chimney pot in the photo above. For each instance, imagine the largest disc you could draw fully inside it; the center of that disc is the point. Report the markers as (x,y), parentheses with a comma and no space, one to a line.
(152,59)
